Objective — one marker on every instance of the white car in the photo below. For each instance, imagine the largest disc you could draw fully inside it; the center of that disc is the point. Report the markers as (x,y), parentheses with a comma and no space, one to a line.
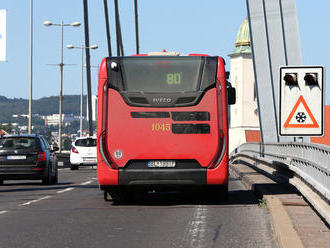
(83,152)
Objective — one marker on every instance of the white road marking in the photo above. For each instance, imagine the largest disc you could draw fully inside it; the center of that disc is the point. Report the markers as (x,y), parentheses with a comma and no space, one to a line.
(3,212)
(64,190)
(94,178)
(48,196)
(85,183)
(196,230)
(37,200)
(64,169)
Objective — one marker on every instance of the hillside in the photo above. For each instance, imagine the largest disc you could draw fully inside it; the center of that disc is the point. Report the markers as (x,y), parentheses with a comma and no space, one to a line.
(42,106)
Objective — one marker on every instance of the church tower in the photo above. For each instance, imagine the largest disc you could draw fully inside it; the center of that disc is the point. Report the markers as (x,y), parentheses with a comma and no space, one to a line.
(244,120)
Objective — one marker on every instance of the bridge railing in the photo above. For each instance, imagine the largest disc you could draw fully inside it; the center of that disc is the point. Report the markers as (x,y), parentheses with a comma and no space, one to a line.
(311,162)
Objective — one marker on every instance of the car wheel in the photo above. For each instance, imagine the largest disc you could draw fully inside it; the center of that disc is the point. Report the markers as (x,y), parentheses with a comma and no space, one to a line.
(73,167)
(56,176)
(48,179)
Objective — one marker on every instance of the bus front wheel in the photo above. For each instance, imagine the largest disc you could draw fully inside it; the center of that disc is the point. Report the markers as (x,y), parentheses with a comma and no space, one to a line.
(118,195)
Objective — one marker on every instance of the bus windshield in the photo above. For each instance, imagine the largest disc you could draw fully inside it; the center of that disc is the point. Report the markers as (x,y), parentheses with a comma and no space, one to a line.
(161,74)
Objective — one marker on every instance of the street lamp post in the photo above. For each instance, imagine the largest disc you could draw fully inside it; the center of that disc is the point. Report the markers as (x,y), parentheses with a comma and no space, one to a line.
(82,77)
(31,68)
(62,25)
(93,110)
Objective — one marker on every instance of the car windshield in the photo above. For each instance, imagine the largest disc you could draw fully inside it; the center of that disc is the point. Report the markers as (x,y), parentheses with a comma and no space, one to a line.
(89,142)
(11,143)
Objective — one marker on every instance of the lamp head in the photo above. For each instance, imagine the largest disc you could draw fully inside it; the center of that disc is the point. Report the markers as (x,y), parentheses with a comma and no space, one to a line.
(48,23)
(70,46)
(75,24)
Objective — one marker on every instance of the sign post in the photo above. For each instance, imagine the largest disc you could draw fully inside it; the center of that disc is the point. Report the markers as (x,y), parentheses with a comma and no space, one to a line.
(301,99)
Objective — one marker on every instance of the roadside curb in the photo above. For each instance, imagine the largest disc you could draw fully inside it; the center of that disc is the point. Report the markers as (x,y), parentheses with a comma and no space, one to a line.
(283,226)
(284,230)
(282,174)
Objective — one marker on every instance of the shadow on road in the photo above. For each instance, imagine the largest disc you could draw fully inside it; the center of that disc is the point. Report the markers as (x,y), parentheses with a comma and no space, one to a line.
(276,184)
(177,198)
(35,186)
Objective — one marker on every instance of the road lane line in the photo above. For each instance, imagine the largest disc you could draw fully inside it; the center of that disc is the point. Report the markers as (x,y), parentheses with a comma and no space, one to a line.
(85,183)
(37,200)
(195,234)
(64,190)
(3,211)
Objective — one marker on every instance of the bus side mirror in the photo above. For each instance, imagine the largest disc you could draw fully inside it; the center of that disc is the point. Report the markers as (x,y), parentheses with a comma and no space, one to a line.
(227,74)
(231,94)
(114,66)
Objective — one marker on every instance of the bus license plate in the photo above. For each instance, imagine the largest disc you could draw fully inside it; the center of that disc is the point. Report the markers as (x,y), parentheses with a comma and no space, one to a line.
(161,164)
(89,159)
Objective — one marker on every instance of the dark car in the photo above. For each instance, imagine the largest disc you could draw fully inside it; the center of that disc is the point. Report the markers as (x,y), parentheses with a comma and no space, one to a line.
(27,157)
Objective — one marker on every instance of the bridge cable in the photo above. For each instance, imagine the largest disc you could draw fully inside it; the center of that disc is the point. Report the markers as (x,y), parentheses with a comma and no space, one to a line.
(136,27)
(106,15)
(120,47)
(120,38)
(88,68)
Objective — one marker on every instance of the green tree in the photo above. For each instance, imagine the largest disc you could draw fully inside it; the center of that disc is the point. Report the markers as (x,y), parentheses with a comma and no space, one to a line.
(7,128)
(67,143)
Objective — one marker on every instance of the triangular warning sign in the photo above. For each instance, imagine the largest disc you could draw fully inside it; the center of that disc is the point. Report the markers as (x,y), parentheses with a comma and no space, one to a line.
(300,119)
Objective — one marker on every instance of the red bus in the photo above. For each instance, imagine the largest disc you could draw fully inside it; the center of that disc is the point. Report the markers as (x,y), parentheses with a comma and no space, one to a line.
(162,122)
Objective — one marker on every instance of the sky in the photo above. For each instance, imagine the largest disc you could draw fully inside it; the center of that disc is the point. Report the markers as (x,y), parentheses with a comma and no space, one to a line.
(186,26)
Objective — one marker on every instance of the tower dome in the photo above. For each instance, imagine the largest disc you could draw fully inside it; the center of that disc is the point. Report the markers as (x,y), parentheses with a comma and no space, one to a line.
(242,43)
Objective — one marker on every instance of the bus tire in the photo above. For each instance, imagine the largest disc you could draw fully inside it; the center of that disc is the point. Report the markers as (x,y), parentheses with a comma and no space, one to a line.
(120,196)
(222,192)
(105,195)
(218,193)
(116,196)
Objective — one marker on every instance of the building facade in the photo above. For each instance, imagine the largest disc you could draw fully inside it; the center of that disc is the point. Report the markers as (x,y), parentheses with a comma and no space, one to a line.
(53,120)
(244,120)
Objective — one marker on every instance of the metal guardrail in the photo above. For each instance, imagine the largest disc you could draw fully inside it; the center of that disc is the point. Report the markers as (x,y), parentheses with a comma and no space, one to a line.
(311,162)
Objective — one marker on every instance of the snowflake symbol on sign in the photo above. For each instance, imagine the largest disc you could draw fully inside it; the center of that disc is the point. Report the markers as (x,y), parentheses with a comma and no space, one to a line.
(301,117)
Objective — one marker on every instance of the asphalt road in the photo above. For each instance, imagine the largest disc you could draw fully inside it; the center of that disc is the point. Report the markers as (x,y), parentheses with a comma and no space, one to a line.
(74,214)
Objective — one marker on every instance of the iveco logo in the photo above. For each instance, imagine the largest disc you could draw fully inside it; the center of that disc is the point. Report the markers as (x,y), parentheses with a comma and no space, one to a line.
(161,99)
